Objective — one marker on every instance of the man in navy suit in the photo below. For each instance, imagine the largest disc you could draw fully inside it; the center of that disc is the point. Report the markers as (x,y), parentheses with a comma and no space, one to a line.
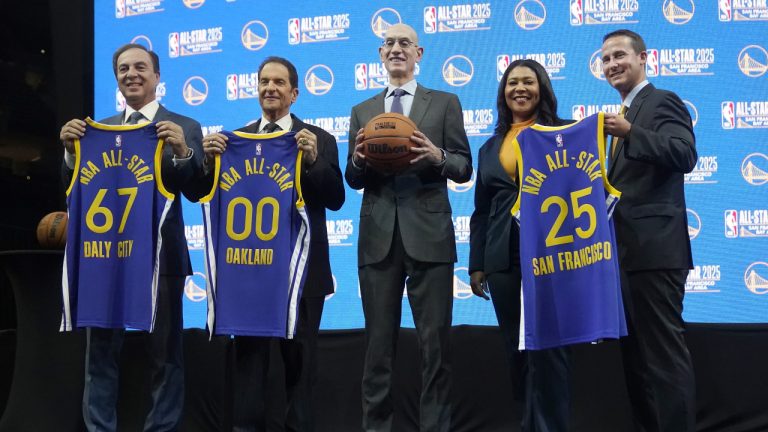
(653,147)
(323,188)
(137,71)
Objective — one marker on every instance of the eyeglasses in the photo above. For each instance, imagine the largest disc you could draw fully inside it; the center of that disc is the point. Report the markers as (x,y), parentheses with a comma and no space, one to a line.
(402,43)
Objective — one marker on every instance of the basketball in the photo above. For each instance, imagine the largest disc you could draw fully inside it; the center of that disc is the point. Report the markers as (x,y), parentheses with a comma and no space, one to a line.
(387,144)
(52,230)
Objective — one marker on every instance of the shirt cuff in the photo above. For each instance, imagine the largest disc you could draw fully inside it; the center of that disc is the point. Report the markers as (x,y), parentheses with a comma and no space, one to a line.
(177,161)
(69,160)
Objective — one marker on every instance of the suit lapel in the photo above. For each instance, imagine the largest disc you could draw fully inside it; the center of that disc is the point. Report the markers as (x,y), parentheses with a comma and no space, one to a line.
(161,114)
(630,115)
(420,104)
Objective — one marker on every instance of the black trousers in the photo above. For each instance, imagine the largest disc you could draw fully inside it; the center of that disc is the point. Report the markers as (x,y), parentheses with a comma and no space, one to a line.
(252,356)
(541,378)
(430,294)
(657,364)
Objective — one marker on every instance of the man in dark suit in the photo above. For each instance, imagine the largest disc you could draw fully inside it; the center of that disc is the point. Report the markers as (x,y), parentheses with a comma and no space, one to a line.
(407,236)
(653,147)
(137,71)
(322,188)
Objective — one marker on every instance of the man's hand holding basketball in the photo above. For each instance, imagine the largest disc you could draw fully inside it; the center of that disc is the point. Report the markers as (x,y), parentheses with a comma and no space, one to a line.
(358,158)
(426,150)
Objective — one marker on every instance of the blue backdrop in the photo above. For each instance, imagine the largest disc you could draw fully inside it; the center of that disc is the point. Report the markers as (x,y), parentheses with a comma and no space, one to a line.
(713,54)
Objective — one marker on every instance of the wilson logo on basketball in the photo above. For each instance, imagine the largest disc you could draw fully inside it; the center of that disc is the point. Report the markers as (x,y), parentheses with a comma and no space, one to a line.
(384,125)
(386,149)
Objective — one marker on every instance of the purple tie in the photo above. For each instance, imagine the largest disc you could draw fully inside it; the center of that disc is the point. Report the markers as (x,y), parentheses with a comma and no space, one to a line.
(397,106)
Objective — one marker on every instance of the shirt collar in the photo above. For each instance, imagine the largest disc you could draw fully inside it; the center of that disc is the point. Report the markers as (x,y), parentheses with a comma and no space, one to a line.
(627,102)
(149,111)
(285,122)
(410,87)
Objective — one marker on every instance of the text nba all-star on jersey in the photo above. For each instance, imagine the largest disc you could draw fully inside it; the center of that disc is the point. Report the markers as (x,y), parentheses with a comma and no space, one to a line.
(117,204)
(257,236)
(570,274)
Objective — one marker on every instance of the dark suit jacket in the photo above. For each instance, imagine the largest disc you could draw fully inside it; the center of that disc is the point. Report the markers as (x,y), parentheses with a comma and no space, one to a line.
(491,221)
(648,168)
(322,188)
(174,256)
(417,197)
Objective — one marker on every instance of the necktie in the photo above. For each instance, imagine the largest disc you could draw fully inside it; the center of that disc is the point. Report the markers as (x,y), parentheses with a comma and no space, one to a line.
(615,140)
(397,105)
(134,118)
(271,127)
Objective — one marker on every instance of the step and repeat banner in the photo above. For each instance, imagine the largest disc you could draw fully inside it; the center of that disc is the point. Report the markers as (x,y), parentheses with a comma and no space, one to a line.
(711,53)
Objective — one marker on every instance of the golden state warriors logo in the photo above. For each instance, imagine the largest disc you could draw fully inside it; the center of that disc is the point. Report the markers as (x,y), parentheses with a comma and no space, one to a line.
(753,61)
(756,278)
(195,90)
(194,287)
(596,65)
(754,169)
(693,111)
(458,70)
(462,290)
(383,19)
(463,187)
(530,14)
(694,224)
(678,11)
(142,40)
(319,79)
(193,4)
(254,35)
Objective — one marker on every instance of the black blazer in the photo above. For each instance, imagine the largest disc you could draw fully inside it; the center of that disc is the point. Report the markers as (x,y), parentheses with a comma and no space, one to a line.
(491,222)
(492,226)
(323,188)
(418,197)
(174,256)
(648,168)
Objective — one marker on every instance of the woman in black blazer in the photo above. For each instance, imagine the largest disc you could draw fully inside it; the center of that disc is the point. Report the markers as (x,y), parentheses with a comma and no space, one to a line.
(540,378)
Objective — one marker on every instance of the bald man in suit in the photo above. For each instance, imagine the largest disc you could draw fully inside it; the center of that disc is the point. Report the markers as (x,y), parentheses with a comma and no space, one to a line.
(406,234)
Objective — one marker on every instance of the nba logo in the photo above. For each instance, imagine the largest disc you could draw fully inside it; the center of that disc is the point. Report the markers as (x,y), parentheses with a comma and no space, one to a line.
(652,63)
(361,76)
(118,140)
(559,140)
(728,115)
(430,19)
(173,45)
(724,10)
(577,13)
(119,101)
(258,149)
(731,224)
(119,8)
(502,62)
(231,87)
(294,36)
(578,112)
